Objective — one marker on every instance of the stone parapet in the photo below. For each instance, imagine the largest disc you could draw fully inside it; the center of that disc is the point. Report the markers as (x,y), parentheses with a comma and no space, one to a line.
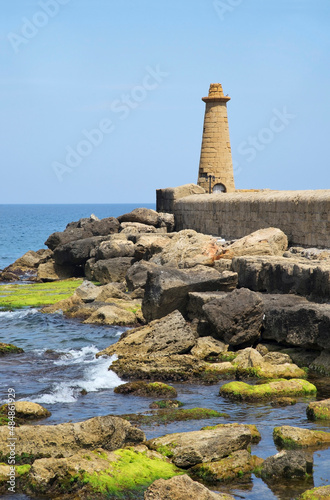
(304,216)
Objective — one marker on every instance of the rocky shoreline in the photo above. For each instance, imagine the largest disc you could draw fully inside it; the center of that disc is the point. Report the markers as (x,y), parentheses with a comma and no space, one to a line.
(199,309)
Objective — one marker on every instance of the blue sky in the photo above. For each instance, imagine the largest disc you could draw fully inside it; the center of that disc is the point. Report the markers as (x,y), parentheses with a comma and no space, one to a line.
(101,99)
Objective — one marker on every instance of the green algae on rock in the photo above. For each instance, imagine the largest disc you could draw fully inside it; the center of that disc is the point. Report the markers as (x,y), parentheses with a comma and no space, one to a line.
(166,403)
(165,416)
(146,389)
(238,464)
(290,437)
(121,474)
(270,390)
(24,411)
(36,294)
(318,410)
(9,349)
(320,493)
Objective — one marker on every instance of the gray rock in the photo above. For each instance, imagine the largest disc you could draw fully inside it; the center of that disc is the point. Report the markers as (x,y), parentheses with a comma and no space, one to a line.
(84,228)
(287,464)
(236,317)
(111,270)
(169,335)
(116,246)
(295,321)
(275,274)
(141,215)
(167,288)
(196,301)
(77,252)
(137,274)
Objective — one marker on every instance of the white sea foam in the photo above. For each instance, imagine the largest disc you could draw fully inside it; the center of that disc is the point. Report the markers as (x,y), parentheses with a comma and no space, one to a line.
(75,356)
(96,377)
(21,313)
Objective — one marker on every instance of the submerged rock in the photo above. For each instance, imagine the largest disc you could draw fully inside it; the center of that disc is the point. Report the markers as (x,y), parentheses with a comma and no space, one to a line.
(181,488)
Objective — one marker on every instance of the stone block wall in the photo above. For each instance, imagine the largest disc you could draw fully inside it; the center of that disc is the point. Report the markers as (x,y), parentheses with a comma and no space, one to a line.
(304,216)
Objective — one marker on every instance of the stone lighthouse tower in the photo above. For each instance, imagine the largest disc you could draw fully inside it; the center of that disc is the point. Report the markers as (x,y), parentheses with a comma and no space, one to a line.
(216,165)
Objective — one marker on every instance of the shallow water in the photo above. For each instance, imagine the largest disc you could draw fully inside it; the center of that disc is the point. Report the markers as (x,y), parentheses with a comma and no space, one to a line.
(59,362)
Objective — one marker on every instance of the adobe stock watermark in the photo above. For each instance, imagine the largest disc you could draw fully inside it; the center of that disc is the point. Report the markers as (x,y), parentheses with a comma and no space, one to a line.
(31,27)
(92,139)
(250,148)
(224,7)
(11,445)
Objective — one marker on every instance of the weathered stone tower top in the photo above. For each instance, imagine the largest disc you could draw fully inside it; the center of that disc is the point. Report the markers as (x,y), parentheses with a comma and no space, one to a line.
(216,164)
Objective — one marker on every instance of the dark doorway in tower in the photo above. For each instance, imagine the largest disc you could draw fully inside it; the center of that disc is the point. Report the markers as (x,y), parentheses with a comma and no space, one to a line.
(219,188)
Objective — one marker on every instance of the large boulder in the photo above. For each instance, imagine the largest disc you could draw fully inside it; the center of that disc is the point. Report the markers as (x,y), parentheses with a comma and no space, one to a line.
(112,314)
(275,274)
(287,464)
(181,488)
(237,317)
(295,321)
(169,335)
(141,215)
(77,252)
(196,301)
(32,259)
(25,411)
(148,245)
(167,288)
(137,274)
(84,228)
(188,249)
(268,241)
(287,436)
(207,347)
(63,440)
(274,365)
(130,228)
(50,271)
(110,270)
(187,449)
(321,364)
(116,246)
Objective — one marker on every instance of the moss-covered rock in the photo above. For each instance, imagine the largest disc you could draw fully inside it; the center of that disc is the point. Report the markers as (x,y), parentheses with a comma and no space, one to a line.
(124,473)
(319,410)
(7,471)
(9,349)
(238,464)
(242,391)
(36,294)
(165,416)
(24,411)
(321,493)
(165,403)
(296,437)
(152,389)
